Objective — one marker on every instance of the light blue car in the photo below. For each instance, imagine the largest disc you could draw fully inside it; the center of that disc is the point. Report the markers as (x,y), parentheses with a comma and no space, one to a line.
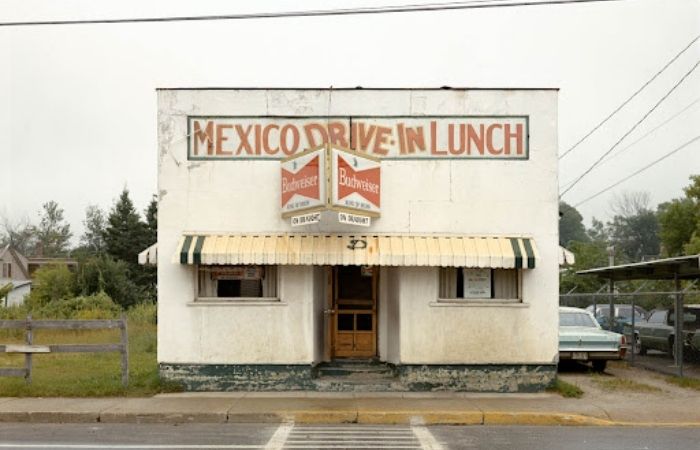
(582,339)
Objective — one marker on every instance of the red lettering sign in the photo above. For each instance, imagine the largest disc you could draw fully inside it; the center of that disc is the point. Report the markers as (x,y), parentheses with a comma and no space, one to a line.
(364,182)
(304,182)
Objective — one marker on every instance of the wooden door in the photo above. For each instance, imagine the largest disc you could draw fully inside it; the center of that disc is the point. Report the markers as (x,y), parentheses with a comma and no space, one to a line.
(354,324)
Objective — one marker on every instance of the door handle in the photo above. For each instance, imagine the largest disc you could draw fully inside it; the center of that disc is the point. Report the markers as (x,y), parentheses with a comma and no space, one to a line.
(329,311)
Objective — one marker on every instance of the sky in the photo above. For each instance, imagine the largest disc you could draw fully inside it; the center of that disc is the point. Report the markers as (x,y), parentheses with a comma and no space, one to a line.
(78,103)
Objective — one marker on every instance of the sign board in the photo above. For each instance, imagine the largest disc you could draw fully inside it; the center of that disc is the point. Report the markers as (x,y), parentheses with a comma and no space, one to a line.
(355,182)
(477,283)
(306,219)
(354,219)
(238,273)
(303,182)
(390,137)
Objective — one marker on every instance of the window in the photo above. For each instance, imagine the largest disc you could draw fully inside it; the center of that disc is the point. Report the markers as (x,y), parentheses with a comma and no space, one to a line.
(7,270)
(479,284)
(236,282)
(658,317)
(574,319)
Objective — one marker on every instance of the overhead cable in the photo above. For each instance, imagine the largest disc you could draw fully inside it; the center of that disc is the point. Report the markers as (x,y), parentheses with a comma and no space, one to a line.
(653,108)
(672,152)
(629,99)
(645,135)
(474,4)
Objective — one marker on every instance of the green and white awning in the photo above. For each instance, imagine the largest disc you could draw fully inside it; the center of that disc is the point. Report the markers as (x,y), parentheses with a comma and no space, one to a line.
(358,249)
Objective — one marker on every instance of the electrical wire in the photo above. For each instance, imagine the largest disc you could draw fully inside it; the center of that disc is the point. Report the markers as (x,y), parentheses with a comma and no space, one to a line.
(474,4)
(653,108)
(629,99)
(676,150)
(645,135)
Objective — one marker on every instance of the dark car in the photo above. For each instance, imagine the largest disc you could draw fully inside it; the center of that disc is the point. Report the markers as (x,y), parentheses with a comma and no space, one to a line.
(658,332)
(622,318)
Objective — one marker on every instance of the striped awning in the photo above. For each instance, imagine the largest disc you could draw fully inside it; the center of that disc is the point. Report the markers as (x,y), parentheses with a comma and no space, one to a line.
(149,256)
(357,249)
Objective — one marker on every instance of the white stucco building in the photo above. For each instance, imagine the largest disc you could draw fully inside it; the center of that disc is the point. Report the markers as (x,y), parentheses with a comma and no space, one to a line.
(453,284)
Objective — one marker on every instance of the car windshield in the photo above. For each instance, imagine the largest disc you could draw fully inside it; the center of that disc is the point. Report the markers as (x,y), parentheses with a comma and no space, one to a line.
(623,311)
(575,319)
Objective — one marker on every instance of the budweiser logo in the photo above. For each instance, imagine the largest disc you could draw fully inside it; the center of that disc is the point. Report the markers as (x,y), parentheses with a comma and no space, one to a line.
(364,182)
(304,182)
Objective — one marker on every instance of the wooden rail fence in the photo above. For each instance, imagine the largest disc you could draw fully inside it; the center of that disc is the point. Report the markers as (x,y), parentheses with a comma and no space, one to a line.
(29,348)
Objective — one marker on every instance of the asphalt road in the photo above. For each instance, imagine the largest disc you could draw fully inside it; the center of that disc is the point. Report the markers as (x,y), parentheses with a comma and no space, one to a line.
(273,436)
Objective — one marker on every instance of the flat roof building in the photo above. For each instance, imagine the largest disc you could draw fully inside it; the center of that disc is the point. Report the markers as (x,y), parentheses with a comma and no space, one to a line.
(416,229)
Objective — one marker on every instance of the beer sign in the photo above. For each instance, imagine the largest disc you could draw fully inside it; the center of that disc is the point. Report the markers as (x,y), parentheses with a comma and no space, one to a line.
(355,182)
(303,182)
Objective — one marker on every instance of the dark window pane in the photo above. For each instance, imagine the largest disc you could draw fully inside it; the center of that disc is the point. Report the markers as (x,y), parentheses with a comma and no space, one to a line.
(364,322)
(351,283)
(228,288)
(345,322)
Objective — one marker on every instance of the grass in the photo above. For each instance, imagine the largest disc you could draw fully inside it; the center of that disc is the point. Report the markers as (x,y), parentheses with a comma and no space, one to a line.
(622,384)
(86,374)
(565,389)
(684,382)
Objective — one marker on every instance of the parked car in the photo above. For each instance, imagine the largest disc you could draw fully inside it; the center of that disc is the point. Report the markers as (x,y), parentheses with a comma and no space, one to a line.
(658,332)
(582,339)
(622,318)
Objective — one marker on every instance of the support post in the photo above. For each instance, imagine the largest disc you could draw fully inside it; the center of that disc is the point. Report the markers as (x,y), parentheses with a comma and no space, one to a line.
(678,341)
(611,288)
(28,356)
(125,351)
(634,335)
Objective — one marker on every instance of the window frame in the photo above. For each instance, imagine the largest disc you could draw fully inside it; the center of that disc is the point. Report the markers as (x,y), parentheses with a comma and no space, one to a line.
(443,298)
(203,299)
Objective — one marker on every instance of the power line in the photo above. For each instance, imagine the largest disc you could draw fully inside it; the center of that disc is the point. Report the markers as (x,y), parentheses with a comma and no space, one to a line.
(645,135)
(676,150)
(653,108)
(474,4)
(622,105)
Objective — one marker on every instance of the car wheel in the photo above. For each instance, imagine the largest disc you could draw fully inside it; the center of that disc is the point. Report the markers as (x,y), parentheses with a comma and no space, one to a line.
(640,348)
(599,365)
(672,348)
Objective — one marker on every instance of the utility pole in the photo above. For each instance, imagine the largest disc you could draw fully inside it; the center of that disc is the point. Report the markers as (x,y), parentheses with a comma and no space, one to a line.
(611,287)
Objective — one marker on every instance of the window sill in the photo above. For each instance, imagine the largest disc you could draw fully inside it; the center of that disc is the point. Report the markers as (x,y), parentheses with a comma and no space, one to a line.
(237,301)
(498,303)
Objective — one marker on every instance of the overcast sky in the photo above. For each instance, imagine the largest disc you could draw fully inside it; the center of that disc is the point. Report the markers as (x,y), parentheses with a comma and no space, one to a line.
(78,103)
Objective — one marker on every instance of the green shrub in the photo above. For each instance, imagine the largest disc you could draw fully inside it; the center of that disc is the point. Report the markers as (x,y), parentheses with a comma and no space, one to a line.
(143,314)
(51,283)
(103,273)
(97,306)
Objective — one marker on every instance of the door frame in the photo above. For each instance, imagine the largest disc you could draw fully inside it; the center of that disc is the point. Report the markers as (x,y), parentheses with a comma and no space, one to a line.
(331,314)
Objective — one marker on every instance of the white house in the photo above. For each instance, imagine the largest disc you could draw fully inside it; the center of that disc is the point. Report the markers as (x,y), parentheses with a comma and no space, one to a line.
(299,228)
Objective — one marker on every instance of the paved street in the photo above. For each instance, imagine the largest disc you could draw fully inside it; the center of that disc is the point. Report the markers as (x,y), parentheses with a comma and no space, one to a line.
(289,436)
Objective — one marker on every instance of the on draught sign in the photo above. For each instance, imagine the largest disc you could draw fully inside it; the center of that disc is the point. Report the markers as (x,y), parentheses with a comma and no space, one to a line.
(331,177)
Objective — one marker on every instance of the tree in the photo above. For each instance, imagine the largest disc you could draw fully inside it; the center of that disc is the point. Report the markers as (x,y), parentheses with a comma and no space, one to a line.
(103,273)
(21,235)
(678,220)
(125,232)
(151,215)
(93,239)
(570,225)
(634,230)
(588,255)
(52,234)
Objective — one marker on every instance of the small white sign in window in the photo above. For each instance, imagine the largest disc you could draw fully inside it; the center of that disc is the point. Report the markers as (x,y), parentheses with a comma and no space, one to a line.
(477,283)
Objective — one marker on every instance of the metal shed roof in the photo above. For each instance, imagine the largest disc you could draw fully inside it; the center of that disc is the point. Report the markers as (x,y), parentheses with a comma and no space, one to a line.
(687,267)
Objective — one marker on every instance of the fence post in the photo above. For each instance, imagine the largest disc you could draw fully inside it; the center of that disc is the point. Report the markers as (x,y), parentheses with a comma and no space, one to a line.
(28,356)
(125,352)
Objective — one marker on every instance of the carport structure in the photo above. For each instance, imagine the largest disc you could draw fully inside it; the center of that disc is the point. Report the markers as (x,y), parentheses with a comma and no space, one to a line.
(677,269)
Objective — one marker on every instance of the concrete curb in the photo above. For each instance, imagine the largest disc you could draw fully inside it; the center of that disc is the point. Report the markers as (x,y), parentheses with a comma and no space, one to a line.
(365,417)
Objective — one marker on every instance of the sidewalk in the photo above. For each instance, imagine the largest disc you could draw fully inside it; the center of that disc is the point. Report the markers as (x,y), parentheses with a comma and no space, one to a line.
(365,408)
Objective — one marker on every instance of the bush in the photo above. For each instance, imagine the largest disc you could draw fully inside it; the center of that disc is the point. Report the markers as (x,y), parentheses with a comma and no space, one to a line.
(96,306)
(143,314)
(104,274)
(51,283)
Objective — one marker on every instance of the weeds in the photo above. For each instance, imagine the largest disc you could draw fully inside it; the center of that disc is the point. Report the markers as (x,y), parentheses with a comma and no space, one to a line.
(565,389)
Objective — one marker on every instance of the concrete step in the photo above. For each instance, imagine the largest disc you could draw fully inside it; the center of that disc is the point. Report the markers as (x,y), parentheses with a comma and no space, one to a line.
(346,384)
(356,370)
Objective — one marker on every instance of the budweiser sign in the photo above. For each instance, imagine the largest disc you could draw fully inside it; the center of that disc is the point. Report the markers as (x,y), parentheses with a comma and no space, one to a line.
(455,137)
(303,182)
(355,181)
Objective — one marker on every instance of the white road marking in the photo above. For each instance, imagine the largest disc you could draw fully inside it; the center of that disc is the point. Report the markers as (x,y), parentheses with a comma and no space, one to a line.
(426,438)
(278,439)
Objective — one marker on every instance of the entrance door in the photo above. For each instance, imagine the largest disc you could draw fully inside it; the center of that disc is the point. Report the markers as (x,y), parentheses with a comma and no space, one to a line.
(354,324)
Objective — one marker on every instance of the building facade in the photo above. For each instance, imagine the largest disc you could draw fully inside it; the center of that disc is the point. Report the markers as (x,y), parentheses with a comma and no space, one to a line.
(440,260)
